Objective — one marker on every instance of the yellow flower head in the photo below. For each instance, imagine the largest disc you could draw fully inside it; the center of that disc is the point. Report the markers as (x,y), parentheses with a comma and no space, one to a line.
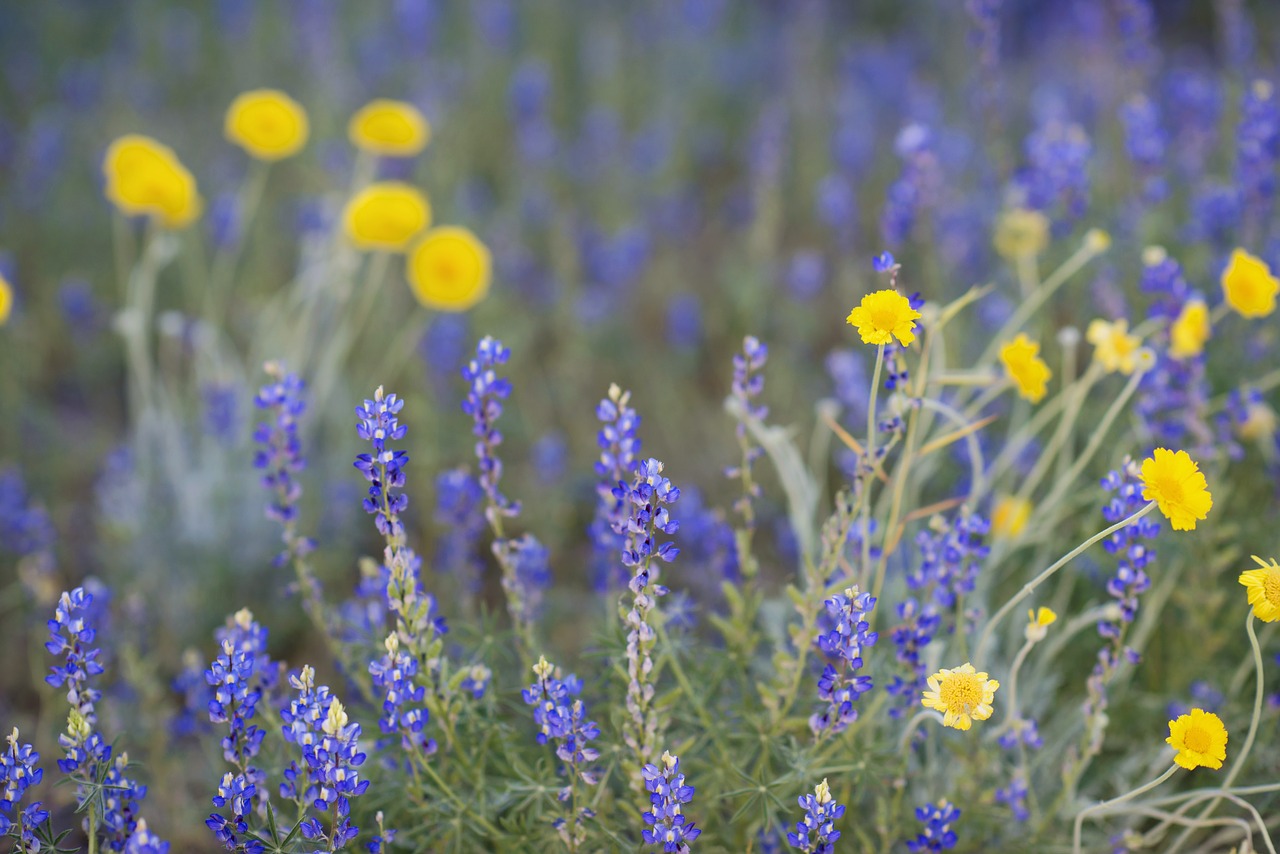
(1021,358)
(392,128)
(1038,622)
(963,695)
(1021,234)
(883,315)
(1189,332)
(1260,422)
(1009,516)
(267,123)
(1175,483)
(386,215)
(145,178)
(1200,739)
(1113,346)
(6,300)
(1249,286)
(449,269)
(1264,589)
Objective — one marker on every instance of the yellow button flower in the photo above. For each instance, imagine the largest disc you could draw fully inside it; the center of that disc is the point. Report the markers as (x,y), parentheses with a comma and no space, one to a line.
(1021,234)
(884,315)
(1249,287)
(6,300)
(1009,516)
(449,269)
(145,178)
(1200,739)
(267,123)
(1189,332)
(1021,358)
(1264,589)
(1175,483)
(392,128)
(1113,346)
(963,695)
(387,215)
(1038,622)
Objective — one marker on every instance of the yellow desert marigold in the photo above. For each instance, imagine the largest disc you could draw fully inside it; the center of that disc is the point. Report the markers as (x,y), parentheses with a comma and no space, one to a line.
(1009,516)
(386,215)
(1189,331)
(1248,285)
(6,300)
(1021,234)
(884,315)
(1177,486)
(392,128)
(1038,622)
(963,695)
(1113,346)
(449,269)
(1200,738)
(1021,358)
(267,123)
(145,178)
(1263,585)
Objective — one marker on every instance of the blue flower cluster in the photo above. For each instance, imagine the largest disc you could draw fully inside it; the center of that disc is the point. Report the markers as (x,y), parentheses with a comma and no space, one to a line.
(937,834)
(25,527)
(748,384)
(71,636)
(237,792)
(1258,151)
(384,468)
(144,841)
(1055,179)
(918,187)
(618,448)
(460,513)
(402,711)
(1131,544)
(484,404)
(279,456)
(816,833)
(560,717)
(668,793)
(840,686)
(19,771)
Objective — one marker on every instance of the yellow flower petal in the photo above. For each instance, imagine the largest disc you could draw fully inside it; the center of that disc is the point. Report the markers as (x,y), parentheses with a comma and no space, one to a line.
(1028,371)
(1176,484)
(883,316)
(449,269)
(387,215)
(267,123)
(392,128)
(1248,285)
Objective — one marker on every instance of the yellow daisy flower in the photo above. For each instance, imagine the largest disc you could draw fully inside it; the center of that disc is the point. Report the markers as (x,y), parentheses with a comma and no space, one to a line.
(387,215)
(6,300)
(884,315)
(1189,332)
(1200,739)
(145,178)
(1264,589)
(1021,358)
(1009,516)
(1038,622)
(392,128)
(963,695)
(1113,346)
(1249,286)
(267,123)
(1021,234)
(449,269)
(1175,483)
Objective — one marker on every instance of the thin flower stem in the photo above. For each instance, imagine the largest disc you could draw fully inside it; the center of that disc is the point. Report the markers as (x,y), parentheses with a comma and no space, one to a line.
(1012,716)
(904,741)
(870,466)
(1107,805)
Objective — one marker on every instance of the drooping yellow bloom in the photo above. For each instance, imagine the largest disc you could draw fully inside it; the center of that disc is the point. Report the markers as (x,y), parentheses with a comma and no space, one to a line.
(1009,516)
(392,128)
(1248,285)
(1021,233)
(387,215)
(963,695)
(449,269)
(1038,622)
(1189,332)
(267,123)
(1264,589)
(1113,346)
(1030,373)
(1200,739)
(1176,484)
(145,178)
(6,300)
(884,315)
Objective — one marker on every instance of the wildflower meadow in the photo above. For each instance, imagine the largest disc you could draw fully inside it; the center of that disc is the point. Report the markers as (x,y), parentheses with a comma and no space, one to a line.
(664,425)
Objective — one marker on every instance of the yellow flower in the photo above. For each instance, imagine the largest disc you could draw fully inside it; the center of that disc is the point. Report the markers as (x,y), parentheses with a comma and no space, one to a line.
(1200,739)
(1264,589)
(386,215)
(1021,234)
(1189,331)
(267,123)
(962,695)
(1021,358)
(6,300)
(1039,620)
(1113,346)
(393,128)
(1177,486)
(1249,286)
(1260,422)
(1097,241)
(1009,516)
(145,178)
(449,269)
(883,315)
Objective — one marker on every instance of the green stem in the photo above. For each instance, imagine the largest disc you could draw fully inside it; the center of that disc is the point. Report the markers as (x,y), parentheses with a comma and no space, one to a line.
(1105,805)
(870,468)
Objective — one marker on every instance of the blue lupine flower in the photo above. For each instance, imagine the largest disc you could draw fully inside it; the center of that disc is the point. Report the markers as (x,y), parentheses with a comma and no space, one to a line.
(950,559)
(384,468)
(1130,580)
(917,188)
(237,792)
(748,385)
(25,527)
(19,771)
(280,455)
(403,711)
(1145,143)
(816,832)
(71,635)
(121,802)
(937,834)
(484,404)
(1014,796)
(1056,177)
(1136,20)
(193,717)
(143,841)
(668,825)
(1258,149)
(618,448)
(841,685)
(235,700)
(985,33)
(460,513)
(920,622)
(221,404)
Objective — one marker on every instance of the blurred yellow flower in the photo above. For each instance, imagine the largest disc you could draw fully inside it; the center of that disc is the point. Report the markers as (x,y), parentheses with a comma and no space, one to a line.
(1189,332)
(1021,234)
(1113,346)
(1176,484)
(1200,739)
(1263,585)
(393,128)
(145,178)
(267,123)
(884,315)
(449,269)
(1009,516)
(6,300)
(1260,422)
(1096,240)
(1038,622)
(1021,358)
(963,695)
(1249,287)
(387,215)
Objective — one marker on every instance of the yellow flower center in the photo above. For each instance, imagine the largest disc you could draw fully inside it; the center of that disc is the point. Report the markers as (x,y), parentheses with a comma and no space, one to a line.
(961,692)
(1198,740)
(1271,587)
(884,316)
(1170,488)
